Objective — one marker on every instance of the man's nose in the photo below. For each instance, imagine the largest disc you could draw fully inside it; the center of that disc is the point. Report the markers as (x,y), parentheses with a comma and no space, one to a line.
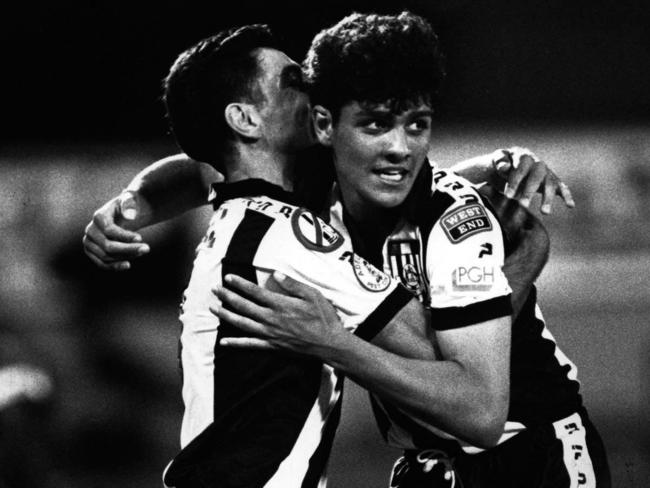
(397,147)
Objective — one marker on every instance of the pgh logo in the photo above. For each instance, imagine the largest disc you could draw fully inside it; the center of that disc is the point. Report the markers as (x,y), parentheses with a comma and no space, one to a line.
(465,221)
(472,278)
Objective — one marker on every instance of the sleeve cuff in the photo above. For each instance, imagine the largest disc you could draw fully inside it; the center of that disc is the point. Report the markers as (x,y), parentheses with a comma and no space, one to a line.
(384,313)
(457,317)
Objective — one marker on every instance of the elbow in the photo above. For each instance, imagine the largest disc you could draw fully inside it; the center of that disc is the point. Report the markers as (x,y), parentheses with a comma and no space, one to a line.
(489,421)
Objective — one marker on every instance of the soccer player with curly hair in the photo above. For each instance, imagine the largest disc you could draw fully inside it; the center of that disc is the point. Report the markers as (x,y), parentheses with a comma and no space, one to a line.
(505,408)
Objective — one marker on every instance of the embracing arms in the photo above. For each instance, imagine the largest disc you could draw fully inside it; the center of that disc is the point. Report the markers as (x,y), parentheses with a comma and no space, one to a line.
(466,394)
(177,183)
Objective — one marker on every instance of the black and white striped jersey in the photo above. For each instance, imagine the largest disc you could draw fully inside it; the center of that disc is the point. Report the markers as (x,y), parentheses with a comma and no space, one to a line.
(258,418)
(451,258)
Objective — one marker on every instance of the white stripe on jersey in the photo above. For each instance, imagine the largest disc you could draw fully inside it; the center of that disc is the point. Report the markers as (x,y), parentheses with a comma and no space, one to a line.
(577,461)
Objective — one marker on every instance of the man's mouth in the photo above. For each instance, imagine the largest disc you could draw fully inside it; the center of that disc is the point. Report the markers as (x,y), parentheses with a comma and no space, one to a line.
(392,175)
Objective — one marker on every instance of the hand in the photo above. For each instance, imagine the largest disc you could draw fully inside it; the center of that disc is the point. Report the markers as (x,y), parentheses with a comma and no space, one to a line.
(107,242)
(296,317)
(525,174)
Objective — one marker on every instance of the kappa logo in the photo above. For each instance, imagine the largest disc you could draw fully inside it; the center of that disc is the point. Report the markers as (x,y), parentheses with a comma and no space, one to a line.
(368,276)
(465,221)
(314,233)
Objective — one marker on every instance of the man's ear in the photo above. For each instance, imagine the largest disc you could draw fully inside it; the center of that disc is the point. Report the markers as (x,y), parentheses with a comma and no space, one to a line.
(323,124)
(243,119)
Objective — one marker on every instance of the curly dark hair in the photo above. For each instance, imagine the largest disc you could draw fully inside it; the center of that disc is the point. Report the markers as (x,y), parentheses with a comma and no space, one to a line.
(372,58)
(204,79)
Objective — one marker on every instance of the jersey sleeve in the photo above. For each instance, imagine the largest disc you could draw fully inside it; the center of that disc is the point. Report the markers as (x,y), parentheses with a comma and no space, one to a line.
(309,250)
(464,260)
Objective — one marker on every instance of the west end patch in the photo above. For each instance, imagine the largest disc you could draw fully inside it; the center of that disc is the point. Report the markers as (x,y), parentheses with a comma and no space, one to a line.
(368,276)
(465,221)
(313,233)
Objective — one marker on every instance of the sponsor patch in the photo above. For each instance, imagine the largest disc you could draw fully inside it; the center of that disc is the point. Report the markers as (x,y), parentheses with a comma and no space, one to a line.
(465,221)
(473,278)
(314,233)
(368,276)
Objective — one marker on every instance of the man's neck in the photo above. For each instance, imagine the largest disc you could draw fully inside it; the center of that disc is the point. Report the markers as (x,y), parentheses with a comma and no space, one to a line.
(274,167)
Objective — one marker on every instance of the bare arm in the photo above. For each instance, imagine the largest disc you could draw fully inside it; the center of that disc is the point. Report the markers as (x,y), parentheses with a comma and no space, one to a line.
(171,186)
(163,190)
(519,174)
(466,394)
(530,243)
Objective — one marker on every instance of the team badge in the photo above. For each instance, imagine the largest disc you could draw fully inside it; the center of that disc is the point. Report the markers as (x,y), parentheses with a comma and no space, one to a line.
(368,276)
(314,233)
(406,264)
(465,221)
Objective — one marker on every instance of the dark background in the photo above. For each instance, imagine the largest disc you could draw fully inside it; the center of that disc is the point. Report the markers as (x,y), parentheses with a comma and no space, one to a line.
(78,69)
(81,114)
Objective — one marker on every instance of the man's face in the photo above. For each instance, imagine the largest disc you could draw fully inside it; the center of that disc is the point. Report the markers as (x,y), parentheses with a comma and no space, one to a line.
(378,154)
(285,111)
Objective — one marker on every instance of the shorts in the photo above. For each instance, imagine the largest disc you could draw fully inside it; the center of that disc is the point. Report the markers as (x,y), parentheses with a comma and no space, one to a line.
(568,453)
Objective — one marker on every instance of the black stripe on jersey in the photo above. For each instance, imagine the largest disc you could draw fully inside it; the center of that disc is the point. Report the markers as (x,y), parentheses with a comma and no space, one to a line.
(261,398)
(430,212)
(456,317)
(239,256)
(319,459)
(384,313)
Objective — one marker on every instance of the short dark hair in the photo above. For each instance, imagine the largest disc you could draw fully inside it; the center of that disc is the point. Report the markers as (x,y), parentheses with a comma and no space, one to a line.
(204,79)
(373,58)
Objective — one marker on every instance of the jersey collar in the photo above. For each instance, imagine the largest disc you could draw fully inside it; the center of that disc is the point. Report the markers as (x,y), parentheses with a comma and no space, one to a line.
(220,192)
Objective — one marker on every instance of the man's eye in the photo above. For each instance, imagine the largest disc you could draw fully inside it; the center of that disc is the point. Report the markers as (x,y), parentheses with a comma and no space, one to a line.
(375,125)
(419,125)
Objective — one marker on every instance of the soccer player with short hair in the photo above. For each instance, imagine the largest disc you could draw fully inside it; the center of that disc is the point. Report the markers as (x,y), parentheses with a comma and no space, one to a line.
(448,249)
(259,418)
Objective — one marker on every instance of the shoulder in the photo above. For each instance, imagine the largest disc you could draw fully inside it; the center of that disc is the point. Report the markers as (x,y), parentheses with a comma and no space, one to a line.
(456,208)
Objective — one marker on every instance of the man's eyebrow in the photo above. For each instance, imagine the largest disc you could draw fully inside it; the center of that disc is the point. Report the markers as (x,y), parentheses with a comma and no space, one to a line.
(425,112)
(385,112)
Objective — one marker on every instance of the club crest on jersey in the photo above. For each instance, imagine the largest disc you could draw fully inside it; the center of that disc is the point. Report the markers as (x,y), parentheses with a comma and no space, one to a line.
(465,221)
(314,233)
(368,276)
(405,264)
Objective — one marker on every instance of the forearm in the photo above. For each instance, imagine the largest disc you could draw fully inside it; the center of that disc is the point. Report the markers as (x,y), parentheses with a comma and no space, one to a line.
(169,187)
(530,243)
(479,170)
(448,394)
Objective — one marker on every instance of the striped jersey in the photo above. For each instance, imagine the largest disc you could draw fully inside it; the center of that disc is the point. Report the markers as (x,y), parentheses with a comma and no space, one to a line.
(261,418)
(451,256)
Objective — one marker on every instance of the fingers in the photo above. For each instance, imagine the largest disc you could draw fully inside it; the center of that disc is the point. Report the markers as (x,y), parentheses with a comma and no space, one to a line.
(518,174)
(565,193)
(536,175)
(242,305)
(547,197)
(293,287)
(98,256)
(246,343)
(113,231)
(246,324)
(113,250)
(255,292)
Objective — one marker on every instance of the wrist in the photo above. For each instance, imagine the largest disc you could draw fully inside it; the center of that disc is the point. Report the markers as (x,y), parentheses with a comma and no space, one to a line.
(135,211)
